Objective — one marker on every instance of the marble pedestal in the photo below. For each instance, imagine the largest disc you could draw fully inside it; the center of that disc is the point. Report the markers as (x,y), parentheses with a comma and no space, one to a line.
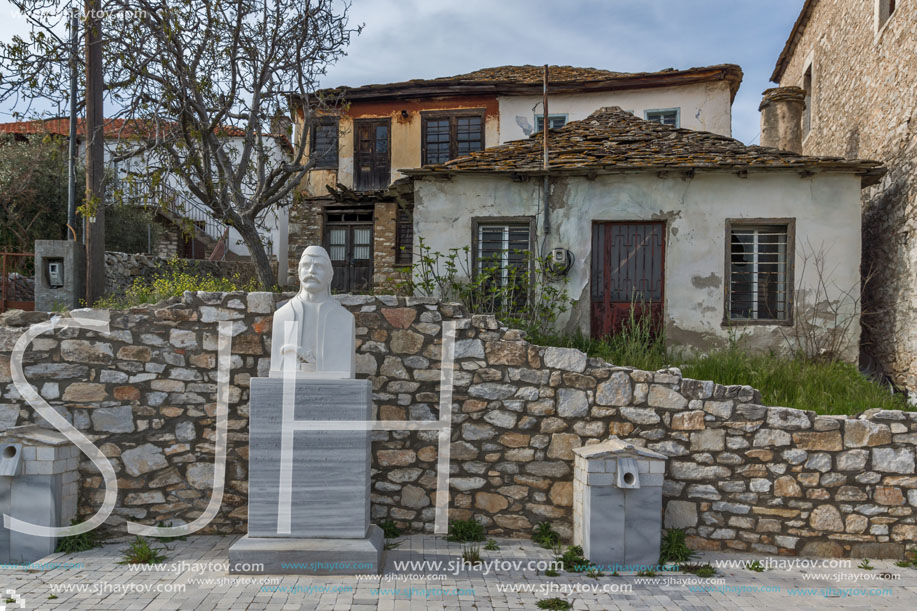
(308,492)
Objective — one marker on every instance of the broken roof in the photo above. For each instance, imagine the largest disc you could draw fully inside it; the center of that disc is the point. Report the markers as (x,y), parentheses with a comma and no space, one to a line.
(526,80)
(795,36)
(612,140)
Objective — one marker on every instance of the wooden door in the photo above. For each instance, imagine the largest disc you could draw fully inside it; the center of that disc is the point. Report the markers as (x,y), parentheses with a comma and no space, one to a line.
(628,273)
(350,247)
(372,165)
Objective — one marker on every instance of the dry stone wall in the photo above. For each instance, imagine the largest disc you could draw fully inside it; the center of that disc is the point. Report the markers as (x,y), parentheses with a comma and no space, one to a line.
(740,475)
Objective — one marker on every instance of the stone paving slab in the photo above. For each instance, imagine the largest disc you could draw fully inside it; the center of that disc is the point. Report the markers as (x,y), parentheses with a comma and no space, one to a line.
(195,577)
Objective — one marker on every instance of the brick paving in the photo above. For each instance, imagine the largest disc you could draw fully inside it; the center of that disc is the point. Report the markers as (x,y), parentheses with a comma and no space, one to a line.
(207,588)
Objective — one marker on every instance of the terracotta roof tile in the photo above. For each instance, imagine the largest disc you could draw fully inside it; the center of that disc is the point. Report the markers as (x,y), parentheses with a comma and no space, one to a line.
(611,139)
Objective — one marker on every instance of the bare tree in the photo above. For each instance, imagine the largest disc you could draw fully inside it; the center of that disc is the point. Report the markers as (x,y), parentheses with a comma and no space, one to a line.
(186,80)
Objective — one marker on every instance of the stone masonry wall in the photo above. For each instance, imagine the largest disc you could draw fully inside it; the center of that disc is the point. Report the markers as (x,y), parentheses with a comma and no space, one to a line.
(864,104)
(121,269)
(740,475)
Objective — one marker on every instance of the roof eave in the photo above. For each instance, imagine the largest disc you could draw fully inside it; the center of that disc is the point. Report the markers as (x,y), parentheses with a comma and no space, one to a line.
(795,35)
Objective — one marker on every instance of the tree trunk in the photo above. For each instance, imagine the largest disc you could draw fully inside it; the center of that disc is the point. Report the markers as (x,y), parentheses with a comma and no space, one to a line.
(262,262)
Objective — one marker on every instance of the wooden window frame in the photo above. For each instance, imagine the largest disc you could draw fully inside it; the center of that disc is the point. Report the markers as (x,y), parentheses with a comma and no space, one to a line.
(324,163)
(428,115)
(790,224)
(477,221)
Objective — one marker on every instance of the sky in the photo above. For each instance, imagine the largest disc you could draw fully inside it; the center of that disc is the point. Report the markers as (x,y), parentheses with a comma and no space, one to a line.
(406,39)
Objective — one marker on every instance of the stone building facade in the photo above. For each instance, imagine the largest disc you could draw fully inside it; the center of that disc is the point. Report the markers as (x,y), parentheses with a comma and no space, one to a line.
(739,475)
(854,60)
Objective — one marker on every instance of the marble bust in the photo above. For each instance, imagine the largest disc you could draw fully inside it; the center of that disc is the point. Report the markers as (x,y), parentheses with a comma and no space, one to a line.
(313,335)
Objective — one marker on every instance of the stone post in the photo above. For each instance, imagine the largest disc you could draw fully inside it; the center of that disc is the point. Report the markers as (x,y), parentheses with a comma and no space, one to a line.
(781,118)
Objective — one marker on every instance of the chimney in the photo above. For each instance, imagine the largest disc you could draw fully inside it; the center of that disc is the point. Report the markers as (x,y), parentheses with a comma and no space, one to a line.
(781,118)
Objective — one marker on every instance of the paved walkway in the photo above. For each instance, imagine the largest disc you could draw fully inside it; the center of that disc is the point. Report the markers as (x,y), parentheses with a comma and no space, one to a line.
(194,577)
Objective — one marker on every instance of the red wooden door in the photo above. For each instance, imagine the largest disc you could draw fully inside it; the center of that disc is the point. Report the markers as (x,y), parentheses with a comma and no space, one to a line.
(628,272)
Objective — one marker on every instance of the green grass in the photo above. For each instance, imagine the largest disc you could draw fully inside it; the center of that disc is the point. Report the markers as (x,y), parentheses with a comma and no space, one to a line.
(140,552)
(463,531)
(827,387)
(77,543)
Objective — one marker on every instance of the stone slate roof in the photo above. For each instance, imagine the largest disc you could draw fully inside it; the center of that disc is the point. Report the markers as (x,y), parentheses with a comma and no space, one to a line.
(612,140)
(527,80)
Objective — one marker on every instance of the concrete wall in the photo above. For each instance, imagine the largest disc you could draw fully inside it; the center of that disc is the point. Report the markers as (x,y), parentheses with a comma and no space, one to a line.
(703,106)
(826,209)
(739,476)
(864,104)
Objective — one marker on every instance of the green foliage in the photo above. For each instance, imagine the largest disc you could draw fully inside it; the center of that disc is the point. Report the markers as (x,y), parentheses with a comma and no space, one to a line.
(673,547)
(573,560)
(701,570)
(471,552)
(176,278)
(77,543)
(554,604)
(140,552)
(52,597)
(826,387)
(908,562)
(465,530)
(33,191)
(491,546)
(551,573)
(646,573)
(521,295)
(390,529)
(864,564)
(755,566)
(545,536)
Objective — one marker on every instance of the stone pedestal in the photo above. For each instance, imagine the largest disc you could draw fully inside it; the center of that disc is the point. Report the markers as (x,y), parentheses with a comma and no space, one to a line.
(617,504)
(309,490)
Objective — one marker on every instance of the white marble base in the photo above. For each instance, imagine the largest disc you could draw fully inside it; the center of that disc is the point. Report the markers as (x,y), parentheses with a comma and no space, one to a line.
(299,556)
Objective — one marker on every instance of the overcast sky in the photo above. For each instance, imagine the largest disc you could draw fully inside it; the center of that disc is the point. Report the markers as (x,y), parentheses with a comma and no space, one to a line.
(405,39)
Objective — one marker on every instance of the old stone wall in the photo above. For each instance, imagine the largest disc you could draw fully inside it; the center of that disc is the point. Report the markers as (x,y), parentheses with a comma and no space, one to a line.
(121,269)
(740,475)
(306,228)
(864,104)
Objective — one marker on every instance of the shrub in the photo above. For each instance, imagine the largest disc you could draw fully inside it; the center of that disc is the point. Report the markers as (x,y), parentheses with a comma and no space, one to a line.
(77,543)
(172,281)
(390,529)
(673,547)
(554,604)
(545,536)
(462,531)
(520,296)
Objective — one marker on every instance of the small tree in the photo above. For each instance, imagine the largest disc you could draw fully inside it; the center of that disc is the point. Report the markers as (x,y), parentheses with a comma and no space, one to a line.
(33,191)
(199,84)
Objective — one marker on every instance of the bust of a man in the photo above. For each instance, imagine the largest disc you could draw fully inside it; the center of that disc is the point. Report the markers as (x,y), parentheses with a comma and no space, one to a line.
(313,335)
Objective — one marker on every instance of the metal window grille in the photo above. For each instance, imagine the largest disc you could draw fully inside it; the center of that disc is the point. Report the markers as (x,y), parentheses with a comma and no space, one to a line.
(666,117)
(503,247)
(404,237)
(758,282)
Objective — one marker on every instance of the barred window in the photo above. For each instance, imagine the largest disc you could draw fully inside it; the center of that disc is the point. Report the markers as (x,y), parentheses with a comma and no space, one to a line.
(447,136)
(324,147)
(502,247)
(666,116)
(404,237)
(759,272)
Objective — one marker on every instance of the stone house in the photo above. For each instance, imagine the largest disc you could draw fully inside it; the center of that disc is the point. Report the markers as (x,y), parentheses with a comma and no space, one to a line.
(853,64)
(346,201)
(714,236)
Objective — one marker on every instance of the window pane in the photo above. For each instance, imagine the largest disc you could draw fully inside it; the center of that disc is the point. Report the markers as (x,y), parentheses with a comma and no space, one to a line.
(666,117)
(337,239)
(758,287)
(501,247)
(325,145)
(468,134)
(554,121)
(437,143)
(361,239)
(381,139)
(404,237)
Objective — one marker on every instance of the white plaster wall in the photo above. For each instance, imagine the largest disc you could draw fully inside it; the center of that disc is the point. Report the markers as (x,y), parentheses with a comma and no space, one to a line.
(704,107)
(826,208)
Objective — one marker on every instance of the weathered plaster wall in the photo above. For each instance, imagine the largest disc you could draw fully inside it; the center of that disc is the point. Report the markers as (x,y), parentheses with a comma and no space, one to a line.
(704,106)
(740,475)
(864,104)
(826,209)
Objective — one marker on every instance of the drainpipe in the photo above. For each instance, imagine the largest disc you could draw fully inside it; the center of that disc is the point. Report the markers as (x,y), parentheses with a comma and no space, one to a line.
(545,125)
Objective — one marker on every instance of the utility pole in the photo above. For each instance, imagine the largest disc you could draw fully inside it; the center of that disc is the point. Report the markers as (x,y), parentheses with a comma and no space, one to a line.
(95,155)
(71,162)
